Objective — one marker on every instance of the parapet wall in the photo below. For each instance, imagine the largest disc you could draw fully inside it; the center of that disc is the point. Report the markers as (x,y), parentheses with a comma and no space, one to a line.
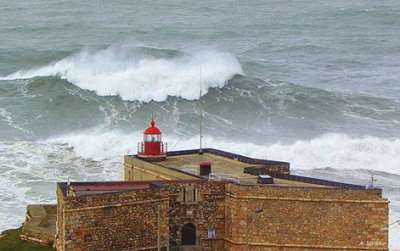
(136,169)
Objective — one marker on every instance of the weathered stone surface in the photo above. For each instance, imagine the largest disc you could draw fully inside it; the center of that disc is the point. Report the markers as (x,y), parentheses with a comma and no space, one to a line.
(261,217)
(112,221)
(40,223)
(299,218)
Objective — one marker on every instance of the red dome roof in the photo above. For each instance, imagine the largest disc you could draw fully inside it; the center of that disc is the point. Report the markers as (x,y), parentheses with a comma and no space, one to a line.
(152,129)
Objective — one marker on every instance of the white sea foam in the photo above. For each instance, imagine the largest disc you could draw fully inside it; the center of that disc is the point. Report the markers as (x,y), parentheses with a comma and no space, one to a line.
(7,117)
(31,169)
(111,72)
(97,155)
(333,150)
(330,150)
(394,231)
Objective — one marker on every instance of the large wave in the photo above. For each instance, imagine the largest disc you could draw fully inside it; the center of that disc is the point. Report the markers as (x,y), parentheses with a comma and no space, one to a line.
(141,75)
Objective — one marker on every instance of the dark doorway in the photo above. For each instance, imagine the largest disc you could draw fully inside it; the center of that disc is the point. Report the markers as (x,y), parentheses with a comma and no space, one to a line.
(189,234)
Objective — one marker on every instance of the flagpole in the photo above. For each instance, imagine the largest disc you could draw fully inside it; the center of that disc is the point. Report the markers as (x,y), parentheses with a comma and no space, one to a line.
(201,119)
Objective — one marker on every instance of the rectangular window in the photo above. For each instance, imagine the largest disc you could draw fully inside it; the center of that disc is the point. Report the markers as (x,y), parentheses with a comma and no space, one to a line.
(190,194)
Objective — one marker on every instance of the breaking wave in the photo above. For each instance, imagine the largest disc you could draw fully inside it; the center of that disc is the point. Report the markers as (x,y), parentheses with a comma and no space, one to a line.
(135,74)
(337,151)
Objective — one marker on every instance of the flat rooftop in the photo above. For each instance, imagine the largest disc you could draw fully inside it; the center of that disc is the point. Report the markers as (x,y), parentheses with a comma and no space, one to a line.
(230,169)
(219,165)
(240,169)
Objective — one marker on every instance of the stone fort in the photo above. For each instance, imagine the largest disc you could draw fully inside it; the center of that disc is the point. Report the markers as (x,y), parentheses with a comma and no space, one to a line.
(208,199)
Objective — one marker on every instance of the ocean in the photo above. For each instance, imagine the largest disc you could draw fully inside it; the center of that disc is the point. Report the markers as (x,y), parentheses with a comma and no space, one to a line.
(313,83)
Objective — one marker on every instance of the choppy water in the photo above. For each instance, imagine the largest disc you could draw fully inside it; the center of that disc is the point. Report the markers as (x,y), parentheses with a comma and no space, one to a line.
(313,83)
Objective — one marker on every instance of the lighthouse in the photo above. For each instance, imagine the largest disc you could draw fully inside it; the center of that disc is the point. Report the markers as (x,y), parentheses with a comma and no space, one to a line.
(152,148)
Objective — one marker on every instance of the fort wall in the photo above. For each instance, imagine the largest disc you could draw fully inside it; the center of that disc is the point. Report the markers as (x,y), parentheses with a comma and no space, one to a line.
(113,221)
(205,212)
(261,217)
(303,218)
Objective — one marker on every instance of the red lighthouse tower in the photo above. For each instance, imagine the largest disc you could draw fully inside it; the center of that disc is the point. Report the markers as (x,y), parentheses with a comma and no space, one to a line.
(152,148)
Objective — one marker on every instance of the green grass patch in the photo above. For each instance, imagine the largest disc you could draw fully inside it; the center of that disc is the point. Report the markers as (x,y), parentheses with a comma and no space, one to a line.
(12,242)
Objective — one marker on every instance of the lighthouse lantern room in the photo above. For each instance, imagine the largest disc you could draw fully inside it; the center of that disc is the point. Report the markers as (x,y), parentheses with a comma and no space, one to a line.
(152,147)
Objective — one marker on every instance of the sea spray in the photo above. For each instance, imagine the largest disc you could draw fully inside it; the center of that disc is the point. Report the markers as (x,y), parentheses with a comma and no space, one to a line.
(100,146)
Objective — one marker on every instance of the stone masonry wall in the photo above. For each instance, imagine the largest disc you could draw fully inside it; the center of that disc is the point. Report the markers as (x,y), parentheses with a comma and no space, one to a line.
(60,220)
(262,217)
(208,211)
(113,221)
(300,218)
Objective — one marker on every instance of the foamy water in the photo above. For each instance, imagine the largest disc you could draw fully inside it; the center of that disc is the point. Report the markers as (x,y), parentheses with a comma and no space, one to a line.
(96,155)
(394,231)
(337,151)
